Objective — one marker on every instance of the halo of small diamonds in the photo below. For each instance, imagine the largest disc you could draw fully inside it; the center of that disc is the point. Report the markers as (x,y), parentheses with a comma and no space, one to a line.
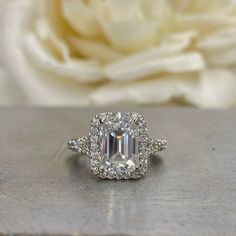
(115,121)
(118,145)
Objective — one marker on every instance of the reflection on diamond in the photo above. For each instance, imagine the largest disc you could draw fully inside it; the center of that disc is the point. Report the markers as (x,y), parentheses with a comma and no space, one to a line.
(119,148)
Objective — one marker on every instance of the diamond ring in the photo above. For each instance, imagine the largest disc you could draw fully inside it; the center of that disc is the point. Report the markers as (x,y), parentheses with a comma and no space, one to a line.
(118,145)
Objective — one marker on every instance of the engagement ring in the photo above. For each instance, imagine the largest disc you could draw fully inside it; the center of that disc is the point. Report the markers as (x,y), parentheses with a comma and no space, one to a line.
(118,145)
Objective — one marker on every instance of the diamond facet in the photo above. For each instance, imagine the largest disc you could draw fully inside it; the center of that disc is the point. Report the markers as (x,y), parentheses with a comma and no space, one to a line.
(119,148)
(117,145)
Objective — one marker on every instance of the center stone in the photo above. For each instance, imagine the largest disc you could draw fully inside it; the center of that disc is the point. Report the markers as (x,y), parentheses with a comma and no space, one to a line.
(119,148)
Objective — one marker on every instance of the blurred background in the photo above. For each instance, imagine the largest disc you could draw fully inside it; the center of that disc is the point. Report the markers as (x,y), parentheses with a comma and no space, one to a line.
(93,52)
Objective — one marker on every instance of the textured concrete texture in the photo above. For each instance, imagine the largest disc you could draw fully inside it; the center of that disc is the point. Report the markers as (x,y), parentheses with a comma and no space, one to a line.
(190,189)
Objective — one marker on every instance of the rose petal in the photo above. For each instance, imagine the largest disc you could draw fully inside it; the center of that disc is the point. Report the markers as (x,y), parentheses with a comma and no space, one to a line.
(221,58)
(80,70)
(95,50)
(46,33)
(130,35)
(185,37)
(199,6)
(216,89)
(144,92)
(220,47)
(221,39)
(135,25)
(160,10)
(50,11)
(80,17)
(188,62)
(123,10)
(203,22)
(173,44)
(31,85)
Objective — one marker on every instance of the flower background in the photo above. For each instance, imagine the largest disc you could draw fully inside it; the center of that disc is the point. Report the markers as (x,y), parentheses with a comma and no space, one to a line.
(92,52)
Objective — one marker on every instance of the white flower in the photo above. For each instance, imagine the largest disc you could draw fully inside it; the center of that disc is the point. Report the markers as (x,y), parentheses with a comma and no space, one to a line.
(80,52)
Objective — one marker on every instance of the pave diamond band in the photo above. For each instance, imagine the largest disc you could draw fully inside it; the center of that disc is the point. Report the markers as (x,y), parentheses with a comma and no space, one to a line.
(118,145)
(81,145)
(156,145)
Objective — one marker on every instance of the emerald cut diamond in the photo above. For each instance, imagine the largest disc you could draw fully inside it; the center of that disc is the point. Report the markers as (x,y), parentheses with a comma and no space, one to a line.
(119,145)
(119,148)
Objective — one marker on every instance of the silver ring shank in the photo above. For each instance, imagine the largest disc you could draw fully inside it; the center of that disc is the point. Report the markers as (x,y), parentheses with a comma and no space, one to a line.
(156,145)
(81,145)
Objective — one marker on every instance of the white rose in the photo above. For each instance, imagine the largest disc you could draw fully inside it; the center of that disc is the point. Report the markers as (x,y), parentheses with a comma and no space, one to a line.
(80,52)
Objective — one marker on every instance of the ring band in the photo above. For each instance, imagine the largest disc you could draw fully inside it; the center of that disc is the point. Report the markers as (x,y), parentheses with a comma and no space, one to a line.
(118,145)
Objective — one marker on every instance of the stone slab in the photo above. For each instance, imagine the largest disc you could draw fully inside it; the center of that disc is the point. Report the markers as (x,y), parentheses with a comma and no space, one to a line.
(190,189)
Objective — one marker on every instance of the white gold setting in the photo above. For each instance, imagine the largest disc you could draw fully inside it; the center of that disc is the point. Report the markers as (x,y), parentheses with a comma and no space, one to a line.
(118,145)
